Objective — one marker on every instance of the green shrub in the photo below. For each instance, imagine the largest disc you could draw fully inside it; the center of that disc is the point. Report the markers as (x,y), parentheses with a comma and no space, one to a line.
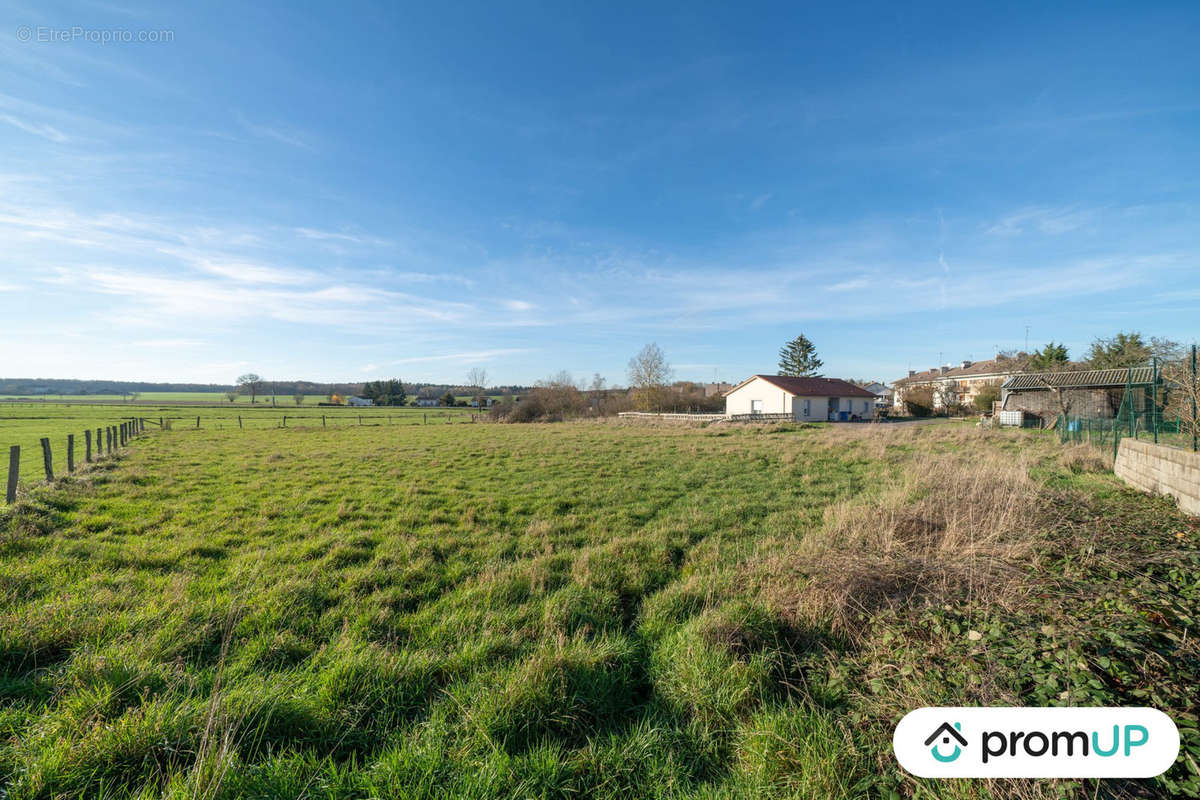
(919,401)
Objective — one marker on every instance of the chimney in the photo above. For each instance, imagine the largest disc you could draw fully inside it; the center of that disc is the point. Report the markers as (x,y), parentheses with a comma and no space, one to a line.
(912,372)
(967,364)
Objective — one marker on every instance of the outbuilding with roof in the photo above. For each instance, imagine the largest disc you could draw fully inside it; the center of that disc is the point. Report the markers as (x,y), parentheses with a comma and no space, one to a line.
(1087,393)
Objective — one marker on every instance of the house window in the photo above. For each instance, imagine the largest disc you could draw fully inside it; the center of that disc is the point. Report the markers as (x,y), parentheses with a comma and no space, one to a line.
(756,406)
(807,406)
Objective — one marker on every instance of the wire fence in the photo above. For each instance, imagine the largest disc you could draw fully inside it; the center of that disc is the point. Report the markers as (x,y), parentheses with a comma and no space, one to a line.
(108,440)
(99,442)
(1145,412)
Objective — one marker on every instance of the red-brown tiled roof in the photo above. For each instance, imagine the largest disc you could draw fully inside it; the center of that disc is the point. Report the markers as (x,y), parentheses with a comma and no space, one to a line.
(990,367)
(809,387)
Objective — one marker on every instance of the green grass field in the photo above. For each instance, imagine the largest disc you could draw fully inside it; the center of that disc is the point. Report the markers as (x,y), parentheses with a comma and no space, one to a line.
(574,610)
(25,424)
(164,397)
(199,398)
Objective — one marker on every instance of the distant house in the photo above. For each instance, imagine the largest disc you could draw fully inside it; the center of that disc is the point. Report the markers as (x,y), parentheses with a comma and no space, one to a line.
(427,402)
(714,389)
(953,385)
(805,399)
(882,392)
(359,401)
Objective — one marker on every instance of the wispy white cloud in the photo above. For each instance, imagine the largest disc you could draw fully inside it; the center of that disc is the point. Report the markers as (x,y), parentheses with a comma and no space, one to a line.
(518,305)
(166,343)
(1041,219)
(352,238)
(761,200)
(35,128)
(465,357)
(849,285)
(278,133)
(249,272)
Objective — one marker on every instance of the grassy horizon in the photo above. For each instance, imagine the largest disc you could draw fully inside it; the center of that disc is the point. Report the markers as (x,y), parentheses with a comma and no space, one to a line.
(574,610)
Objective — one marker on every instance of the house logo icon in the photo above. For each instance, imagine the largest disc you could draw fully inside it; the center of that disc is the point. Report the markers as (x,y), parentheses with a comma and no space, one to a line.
(945,731)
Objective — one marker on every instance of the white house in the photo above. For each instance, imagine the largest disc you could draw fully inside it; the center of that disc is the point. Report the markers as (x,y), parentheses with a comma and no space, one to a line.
(811,399)
(882,392)
(359,401)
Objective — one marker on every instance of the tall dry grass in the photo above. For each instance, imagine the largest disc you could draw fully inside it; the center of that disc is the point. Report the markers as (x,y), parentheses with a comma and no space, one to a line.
(943,527)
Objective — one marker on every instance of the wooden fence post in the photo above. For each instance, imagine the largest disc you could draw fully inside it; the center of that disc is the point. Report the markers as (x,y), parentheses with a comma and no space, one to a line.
(285,420)
(322,420)
(87,445)
(99,444)
(160,423)
(108,444)
(197,422)
(360,419)
(47,462)
(239,421)
(14,471)
(424,417)
(70,453)
(121,433)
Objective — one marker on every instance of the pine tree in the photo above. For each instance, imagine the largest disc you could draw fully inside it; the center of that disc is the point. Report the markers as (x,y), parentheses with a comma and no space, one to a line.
(799,358)
(1052,356)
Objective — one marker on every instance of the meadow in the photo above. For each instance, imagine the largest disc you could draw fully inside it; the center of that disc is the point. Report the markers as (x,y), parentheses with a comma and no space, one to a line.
(25,424)
(213,398)
(575,610)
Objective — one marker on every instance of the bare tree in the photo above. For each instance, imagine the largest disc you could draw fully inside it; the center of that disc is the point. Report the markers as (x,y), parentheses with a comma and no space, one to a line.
(1183,394)
(477,378)
(649,374)
(250,383)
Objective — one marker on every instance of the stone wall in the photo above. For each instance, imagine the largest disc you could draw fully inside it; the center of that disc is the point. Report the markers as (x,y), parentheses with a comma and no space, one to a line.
(1162,470)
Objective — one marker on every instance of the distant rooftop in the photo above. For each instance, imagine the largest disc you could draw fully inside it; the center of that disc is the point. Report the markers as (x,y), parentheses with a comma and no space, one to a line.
(965,369)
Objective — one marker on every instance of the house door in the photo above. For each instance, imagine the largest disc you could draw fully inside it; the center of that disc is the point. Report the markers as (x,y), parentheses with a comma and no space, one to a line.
(833,408)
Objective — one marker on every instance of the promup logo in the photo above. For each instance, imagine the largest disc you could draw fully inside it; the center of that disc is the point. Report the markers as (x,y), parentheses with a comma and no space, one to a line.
(946,732)
(1036,742)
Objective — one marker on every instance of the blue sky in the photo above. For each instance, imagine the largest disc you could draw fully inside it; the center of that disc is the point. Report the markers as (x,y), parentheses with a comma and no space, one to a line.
(354,191)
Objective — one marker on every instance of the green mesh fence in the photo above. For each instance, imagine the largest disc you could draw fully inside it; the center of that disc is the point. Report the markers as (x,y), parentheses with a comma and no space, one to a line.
(1140,416)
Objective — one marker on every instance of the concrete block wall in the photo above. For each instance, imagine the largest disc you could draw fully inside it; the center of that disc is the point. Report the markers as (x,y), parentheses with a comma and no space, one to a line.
(1162,470)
